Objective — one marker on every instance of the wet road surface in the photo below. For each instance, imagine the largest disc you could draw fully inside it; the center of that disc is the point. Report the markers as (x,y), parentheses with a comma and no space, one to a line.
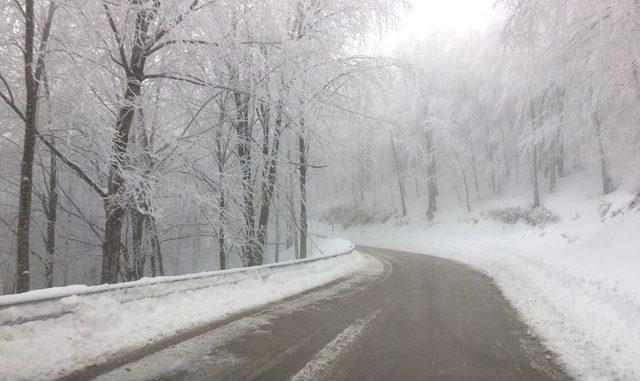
(406,317)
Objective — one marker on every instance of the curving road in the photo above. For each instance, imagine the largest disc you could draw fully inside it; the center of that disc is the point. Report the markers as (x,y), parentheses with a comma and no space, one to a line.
(407,317)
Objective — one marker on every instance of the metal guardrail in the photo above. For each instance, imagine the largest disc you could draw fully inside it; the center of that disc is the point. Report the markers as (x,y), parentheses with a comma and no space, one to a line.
(19,309)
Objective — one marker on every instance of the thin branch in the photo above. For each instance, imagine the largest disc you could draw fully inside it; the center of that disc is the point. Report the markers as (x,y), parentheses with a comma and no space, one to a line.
(44,39)
(173,42)
(162,32)
(116,34)
(13,107)
(14,232)
(186,78)
(9,99)
(19,6)
(74,167)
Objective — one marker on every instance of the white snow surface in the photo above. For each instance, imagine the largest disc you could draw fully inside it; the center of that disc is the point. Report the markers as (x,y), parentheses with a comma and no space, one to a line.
(102,325)
(575,283)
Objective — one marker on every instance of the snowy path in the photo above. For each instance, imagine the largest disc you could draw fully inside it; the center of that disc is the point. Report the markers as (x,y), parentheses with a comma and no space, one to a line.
(420,317)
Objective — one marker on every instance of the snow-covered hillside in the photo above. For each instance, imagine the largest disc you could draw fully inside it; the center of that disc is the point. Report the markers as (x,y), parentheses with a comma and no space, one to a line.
(575,282)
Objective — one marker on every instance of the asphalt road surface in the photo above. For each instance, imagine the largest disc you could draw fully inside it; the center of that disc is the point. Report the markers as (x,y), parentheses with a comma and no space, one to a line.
(407,317)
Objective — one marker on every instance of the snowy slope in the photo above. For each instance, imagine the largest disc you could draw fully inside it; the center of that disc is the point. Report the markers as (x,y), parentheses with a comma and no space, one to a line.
(576,283)
(102,325)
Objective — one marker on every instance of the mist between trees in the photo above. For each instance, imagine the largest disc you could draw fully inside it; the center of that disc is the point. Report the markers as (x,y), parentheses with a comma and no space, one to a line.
(142,138)
(552,89)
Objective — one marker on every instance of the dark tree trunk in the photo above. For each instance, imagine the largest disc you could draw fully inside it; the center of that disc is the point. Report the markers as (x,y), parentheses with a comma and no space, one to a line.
(156,267)
(52,215)
(302,147)
(269,173)
(32,73)
(293,227)
(26,186)
(277,250)
(221,159)
(115,208)
(51,205)
(249,252)
(222,254)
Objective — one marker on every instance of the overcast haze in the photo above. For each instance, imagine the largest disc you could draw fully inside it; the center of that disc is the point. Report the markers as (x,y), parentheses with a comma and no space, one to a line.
(429,16)
(458,197)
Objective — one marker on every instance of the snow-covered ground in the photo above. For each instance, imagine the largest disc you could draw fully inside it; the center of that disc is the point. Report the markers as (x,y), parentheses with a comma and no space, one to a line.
(576,283)
(103,325)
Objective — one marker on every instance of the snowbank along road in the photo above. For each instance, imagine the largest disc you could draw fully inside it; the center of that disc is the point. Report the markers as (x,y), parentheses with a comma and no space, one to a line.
(406,317)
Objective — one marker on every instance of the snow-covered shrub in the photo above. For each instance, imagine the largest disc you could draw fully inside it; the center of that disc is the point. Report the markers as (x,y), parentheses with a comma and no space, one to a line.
(530,216)
(632,205)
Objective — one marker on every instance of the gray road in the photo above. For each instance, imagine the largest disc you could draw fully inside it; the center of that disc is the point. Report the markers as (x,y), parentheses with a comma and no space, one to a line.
(408,317)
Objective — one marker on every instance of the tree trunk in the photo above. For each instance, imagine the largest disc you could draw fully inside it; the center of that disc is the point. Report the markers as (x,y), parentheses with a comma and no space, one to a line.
(560,158)
(111,244)
(269,173)
(32,74)
(534,159)
(466,187)
(51,214)
(431,175)
(222,254)
(51,206)
(157,253)
(249,252)
(475,176)
(455,186)
(399,172)
(115,207)
(302,147)
(28,149)
(635,74)
(152,263)
(494,187)
(607,183)
(138,221)
(553,166)
(560,141)
(277,250)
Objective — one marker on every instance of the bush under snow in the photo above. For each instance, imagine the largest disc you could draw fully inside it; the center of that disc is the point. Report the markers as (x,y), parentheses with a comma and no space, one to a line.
(530,216)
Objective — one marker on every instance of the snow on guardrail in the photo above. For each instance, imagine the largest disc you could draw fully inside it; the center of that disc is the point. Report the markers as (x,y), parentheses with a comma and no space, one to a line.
(49,333)
(55,302)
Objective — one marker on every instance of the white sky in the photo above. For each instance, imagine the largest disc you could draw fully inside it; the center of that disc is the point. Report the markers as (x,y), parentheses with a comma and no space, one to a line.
(430,16)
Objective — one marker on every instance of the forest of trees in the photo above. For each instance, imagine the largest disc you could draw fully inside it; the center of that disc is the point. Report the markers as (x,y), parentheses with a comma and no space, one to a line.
(147,137)
(551,90)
